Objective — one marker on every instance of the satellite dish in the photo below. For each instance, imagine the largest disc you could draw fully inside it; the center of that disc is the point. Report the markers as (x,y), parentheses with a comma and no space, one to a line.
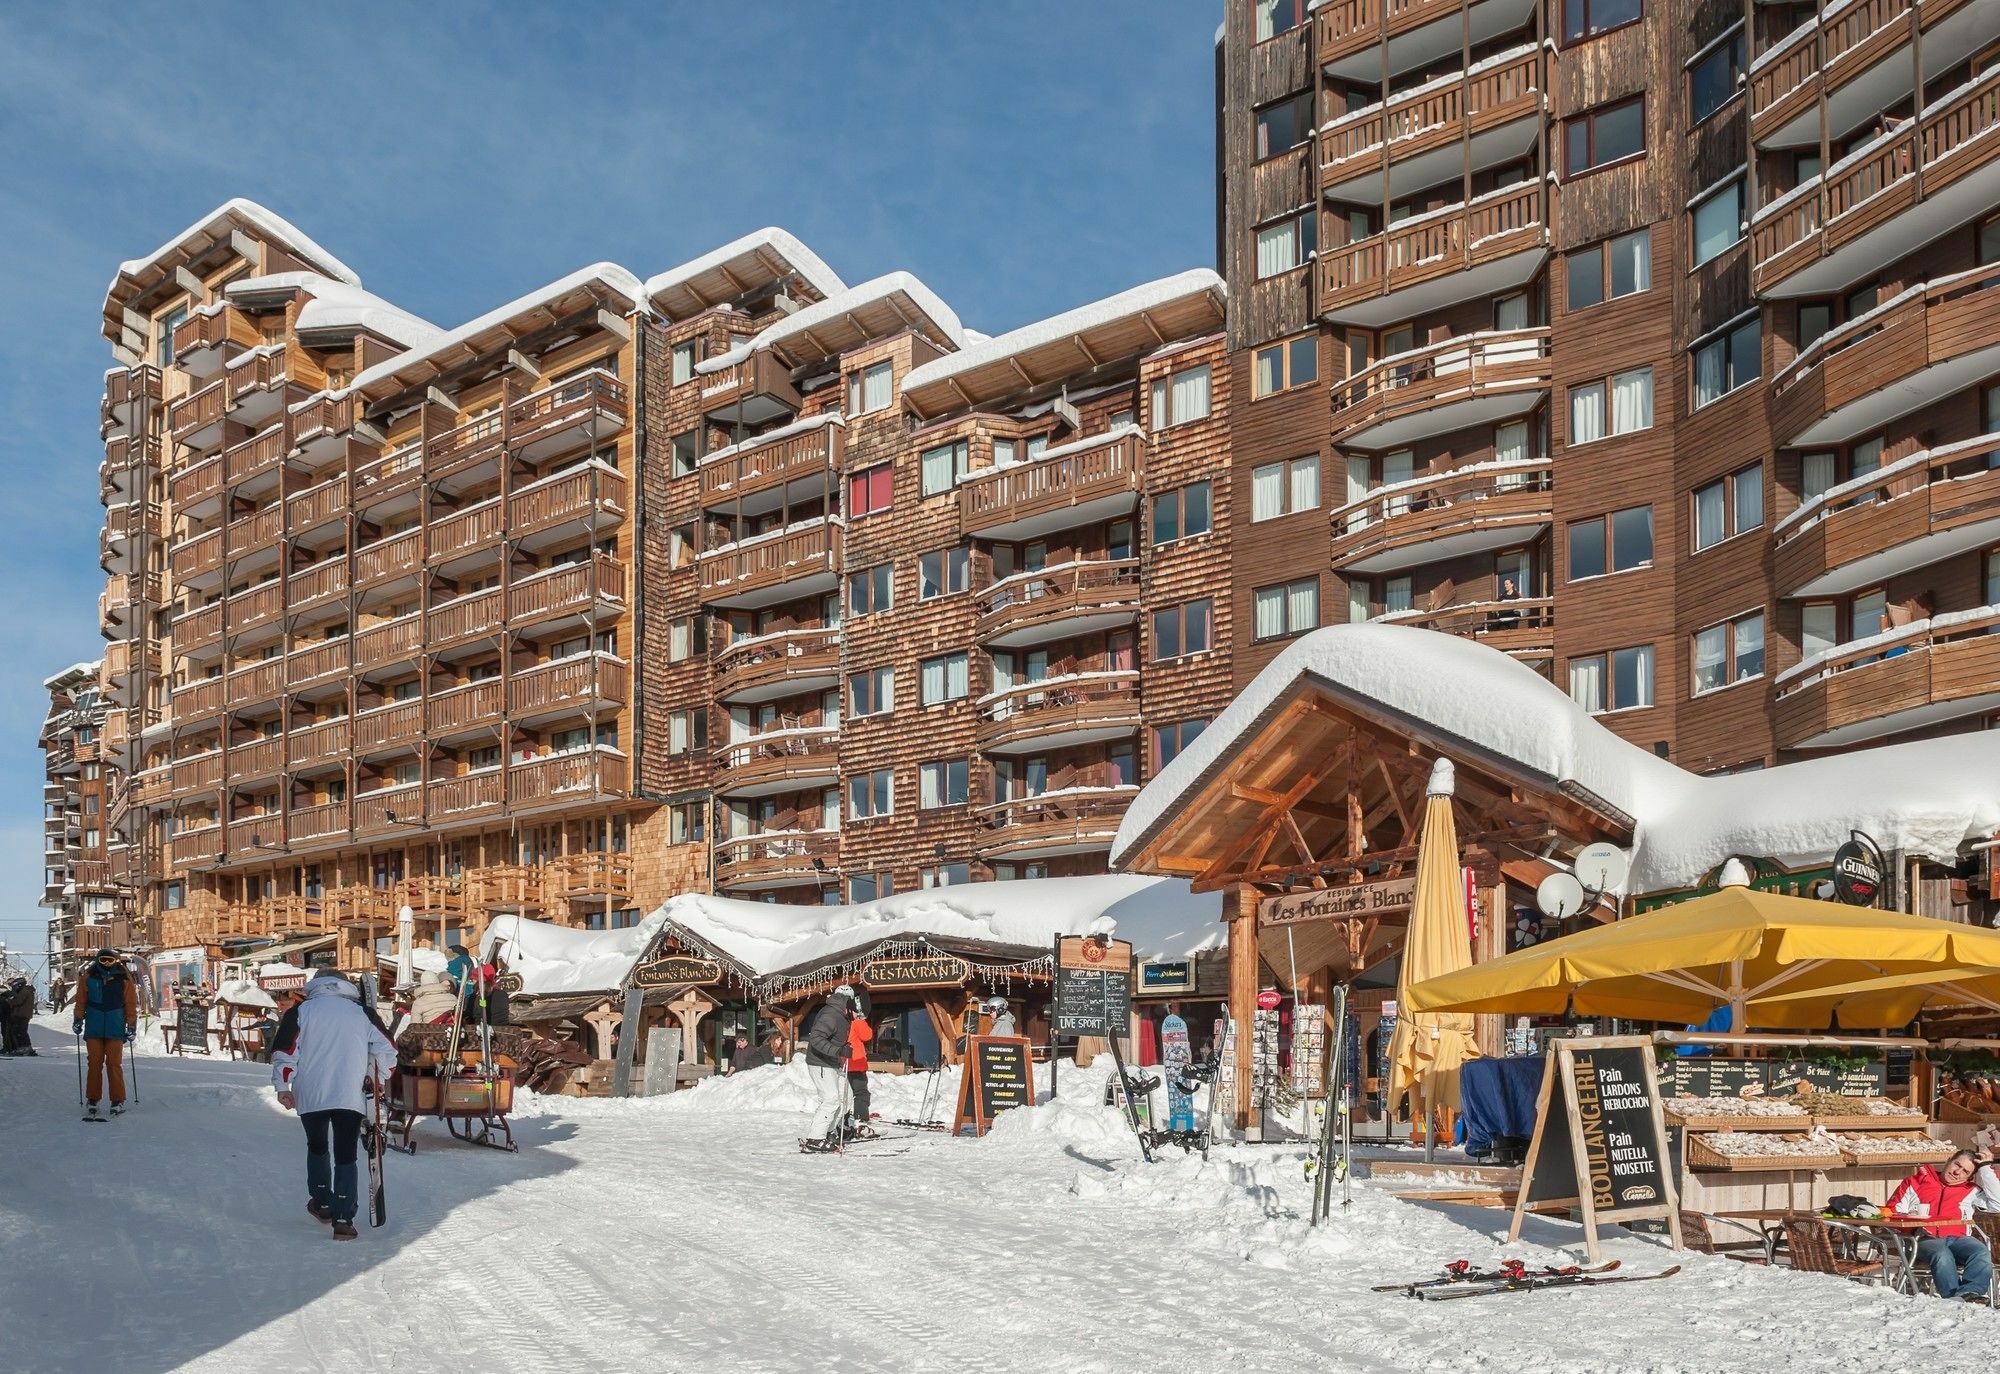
(1560,896)
(1601,867)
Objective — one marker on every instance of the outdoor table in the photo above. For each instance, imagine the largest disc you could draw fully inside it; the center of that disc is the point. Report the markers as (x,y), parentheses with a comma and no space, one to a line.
(1907,1233)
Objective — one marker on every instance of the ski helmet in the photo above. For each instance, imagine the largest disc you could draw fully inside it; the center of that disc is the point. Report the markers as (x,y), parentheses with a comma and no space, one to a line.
(845,990)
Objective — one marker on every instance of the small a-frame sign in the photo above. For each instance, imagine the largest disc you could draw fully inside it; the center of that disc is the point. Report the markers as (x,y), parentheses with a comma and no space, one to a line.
(996,1076)
(1600,1142)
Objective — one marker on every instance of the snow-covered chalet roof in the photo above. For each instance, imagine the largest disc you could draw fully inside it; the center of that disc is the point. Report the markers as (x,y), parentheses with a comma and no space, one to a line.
(875,309)
(76,672)
(1926,798)
(139,274)
(726,272)
(553,960)
(337,306)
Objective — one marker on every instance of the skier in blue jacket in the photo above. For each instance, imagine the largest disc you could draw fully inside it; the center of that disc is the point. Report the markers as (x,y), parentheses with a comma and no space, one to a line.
(327,1047)
(106,1016)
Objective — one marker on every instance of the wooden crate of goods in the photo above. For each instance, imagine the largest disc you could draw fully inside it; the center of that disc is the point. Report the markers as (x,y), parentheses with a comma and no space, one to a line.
(1838,1112)
(1892,1150)
(1735,1114)
(1746,1150)
(1969,1098)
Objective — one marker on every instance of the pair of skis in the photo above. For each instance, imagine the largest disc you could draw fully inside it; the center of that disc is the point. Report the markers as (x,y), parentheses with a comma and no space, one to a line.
(1515,1278)
(374,1139)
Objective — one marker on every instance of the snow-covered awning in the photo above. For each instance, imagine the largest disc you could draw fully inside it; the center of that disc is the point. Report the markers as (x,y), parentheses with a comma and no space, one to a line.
(760,258)
(552,959)
(334,307)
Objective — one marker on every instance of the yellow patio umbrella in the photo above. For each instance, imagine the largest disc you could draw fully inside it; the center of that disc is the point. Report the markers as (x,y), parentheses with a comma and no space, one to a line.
(1896,999)
(1428,1046)
(1776,960)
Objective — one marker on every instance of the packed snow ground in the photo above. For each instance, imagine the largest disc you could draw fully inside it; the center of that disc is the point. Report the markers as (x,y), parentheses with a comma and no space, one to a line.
(687,1233)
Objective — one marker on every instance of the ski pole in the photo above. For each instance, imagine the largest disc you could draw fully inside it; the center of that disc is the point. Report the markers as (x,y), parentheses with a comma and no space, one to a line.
(133,1063)
(79,1068)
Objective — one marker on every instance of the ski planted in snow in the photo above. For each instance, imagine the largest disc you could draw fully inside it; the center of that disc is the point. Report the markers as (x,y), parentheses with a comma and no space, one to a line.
(1534,1283)
(378,1201)
(1461,1271)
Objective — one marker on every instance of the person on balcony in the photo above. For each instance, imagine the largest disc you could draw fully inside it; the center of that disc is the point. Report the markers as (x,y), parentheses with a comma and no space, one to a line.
(1946,1195)
(106,1016)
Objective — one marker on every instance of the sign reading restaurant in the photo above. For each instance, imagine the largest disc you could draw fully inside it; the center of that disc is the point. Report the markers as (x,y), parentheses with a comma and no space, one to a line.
(1387,897)
(922,971)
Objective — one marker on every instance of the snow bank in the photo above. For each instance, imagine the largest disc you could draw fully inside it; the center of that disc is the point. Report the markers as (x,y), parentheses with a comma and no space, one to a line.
(555,959)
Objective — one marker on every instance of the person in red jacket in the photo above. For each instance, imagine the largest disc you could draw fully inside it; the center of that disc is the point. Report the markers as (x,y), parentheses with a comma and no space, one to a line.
(1960,1263)
(859,1033)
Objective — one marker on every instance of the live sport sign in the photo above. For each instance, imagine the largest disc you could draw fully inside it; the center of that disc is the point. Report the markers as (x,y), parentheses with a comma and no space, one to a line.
(1387,897)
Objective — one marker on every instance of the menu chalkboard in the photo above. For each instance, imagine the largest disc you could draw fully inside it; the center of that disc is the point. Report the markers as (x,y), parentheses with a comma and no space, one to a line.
(191,1027)
(1093,1001)
(996,1077)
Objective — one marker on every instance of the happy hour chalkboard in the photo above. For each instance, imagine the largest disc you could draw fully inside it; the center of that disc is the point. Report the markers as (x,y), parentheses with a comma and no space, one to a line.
(1093,987)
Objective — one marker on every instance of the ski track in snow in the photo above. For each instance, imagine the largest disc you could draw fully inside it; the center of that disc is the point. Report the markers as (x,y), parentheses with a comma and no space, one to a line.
(688,1234)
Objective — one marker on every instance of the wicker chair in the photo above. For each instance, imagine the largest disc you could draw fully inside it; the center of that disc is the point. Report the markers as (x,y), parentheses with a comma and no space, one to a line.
(1698,1233)
(1820,1246)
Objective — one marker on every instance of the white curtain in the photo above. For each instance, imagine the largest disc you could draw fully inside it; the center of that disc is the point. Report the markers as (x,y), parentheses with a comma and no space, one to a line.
(1305,484)
(931,785)
(1267,491)
(1710,648)
(1357,487)
(1586,413)
(1302,605)
(1586,683)
(1749,497)
(1190,395)
(1708,515)
(1357,602)
(1399,466)
(1816,474)
(1270,612)
(1709,380)
(1749,646)
(1396,595)
(1865,458)
(1634,670)
(1632,400)
(1278,248)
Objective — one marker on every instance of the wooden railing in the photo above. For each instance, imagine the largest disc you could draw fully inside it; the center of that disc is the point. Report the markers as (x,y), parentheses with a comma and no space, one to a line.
(465,793)
(394,471)
(1443,504)
(309,665)
(594,396)
(316,505)
(809,752)
(1521,624)
(1857,691)
(261,758)
(389,641)
(256,529)
(586,678)
(392,557)
(1344,27)
(777,853)
(399,804)
(1493,93)
(198,411)
(470,704)
(768,562)
(571,587)
(206,329)
(586,773)
(754,464)
(583,491)
(254,683)
(193,557)
(997,497)
(1074,816)
(467,529)
(197,771)
(760,374)
(1461,369)
(316,822)
(1923,497)
(322,417)
(1495,225)
(310,585)
(199,698)
(121,390)
(252,608)
(257,454)
(265,371)
(198,481)
(197,626)
(397,722)
(478,438)
(193,846)
(320,743)
(590,874)
(804,653)
(462,617)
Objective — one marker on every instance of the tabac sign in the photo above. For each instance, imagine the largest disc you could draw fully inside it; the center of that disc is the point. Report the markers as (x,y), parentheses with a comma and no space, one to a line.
(923,971)
(1388,897)
(662,973)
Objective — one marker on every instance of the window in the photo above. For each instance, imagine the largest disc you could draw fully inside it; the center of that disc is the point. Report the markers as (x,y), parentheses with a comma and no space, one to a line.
(943,466)
(173,895)
(1587,18)
(871,794)
(1182,513)
(871,693)
(1284,365)
(1284,126)
(945,875)
(685,357)
(163,356)
(869,390)
(1630,545)
(488,757)
(1630,684)
(1284,488)
(687,823)
(1727,361)
(1179,630)
(871,490)
(1817,474)
(1730,652)
(1290,609)
(871,589)
(945,678)
(1286,244)
(942,782)
(1728,506)
(686,451)
(1169,740)
(1717,221)
(1712,80)
(1278,16)
(942,573)
(870,887)
(1608,134)
(1181,398)
(1631,406)
(681,636)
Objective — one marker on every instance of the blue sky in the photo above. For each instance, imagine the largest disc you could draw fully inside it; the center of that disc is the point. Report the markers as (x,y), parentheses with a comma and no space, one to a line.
(1019,158)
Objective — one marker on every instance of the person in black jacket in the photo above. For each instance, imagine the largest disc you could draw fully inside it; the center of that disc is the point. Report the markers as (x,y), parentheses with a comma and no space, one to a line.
(18,1004)
(826,1063)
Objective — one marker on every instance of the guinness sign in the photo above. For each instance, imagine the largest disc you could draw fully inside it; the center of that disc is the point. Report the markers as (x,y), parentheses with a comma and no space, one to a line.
(663,973)
(924,971)
(1390,896)
(1858,867)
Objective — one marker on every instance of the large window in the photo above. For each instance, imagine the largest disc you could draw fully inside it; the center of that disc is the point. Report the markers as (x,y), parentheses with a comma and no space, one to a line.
(872,692)
(871,388)
(1619,681)
(1717,220)
(1181,398)
(1182,512)
(1284,488)
(1619,542)
(1605,271)
(1620,405)
(871,490)
(870,887)
(945,678)
(685,357)
(1284,126)
(942,573)
(1278,16)
(1180,630)
(686,449)
(1281,366)
(1712,80)
(871,794)
(1608,134)
(1728,506)
(943,466)
(1169,740)
(1730,652)
(871,589)
(1729,360)
(1286,244)
(1585,18)
(942,782)
(1290,609)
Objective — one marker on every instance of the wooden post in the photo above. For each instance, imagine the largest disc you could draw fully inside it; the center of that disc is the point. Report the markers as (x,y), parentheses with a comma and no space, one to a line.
(1243,992)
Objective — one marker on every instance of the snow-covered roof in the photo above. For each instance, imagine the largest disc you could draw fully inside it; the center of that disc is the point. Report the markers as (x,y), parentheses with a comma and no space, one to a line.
(1926,798)
(554,959)
(273,227)
(71,674)
(678,292)
(821,317)
(335,305)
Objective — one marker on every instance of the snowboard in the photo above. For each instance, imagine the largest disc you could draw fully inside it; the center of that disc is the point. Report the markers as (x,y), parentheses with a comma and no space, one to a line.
(1175,1055)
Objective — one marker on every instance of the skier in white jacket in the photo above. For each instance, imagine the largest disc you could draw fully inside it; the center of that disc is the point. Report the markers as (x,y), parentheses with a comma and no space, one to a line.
(327,1047)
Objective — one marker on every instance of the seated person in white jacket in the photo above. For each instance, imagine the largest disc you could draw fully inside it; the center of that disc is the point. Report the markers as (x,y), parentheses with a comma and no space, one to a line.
(327,1047)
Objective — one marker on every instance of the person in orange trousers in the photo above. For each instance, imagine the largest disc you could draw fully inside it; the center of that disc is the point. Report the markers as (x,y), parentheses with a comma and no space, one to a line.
(107,1016)
(859,1033)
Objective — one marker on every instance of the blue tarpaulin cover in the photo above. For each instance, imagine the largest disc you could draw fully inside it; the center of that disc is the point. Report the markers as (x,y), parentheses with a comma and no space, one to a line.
(1497,1097)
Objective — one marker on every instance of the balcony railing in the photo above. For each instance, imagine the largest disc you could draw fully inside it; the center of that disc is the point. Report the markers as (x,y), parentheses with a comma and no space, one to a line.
(1922,673)
(573,588)
(464,795)
(466,530)
(778,859)
(1078,484)
(320,419)
(757,464)
(388,726)
(198,417)
(396,556)
(779,761)
(195,483)
(389,642)
(1408,517)
(1076,598)
(1442,387)
(576,409)
(316,663)
(465,707)
(316,822)
(400,804)
(1345,27)
(575,777)
(1077,708)
(592,492)
(197,626)
(587,680)
(196,557)
(263,758)
(256,530)
(1521,626)
(257,606)
(1073,821)
(474,441)
(770,567)
(314,585)
(397,471)
(258,682)
(197,773)
(202,697)
(195,846)
(759,381)
(775,665)
(319,744)
(122,391)
(255,456)
(588,876)
(1500,224)
(316,506)
(465,617)
(1494,92)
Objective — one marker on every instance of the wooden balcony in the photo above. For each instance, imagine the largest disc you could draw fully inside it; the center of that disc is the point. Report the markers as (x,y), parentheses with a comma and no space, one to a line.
(398,555)
(197,773)
(1345,32)
(472,706)
(316,506)
(772,568)
(1883,200)
(197,559)
(1930,506)
(475,615)
(397,808)
(1924,674)
(1844,56)
(256,759)
(1074,821)
(1463,252)
(754,391)
(199,626)
(319,424)
(196,419)
(467,531)
(1058,603)
(588,682)
(755,863)
(469,794)
(578,410)
(566,779)
(254,684)
(758,465)
(1059,713)
(124,392)
(258,532)
(321,584)
(1523,627)
(258,456)
(392,641)
(768,667)
(317,746)
(1493,111)
(1928,343)
(478,440)
(779,761)
(317,663)
(316,824)
(202,697)
(200,342)
(392,474)
(1079,484)
(198,485)
(1443,515)
(126,595)
(390,726)
(588,877)
(589,498)
(260,605)
(590,589)
(1479,379)
(257,385)
(152,786)
(195,846)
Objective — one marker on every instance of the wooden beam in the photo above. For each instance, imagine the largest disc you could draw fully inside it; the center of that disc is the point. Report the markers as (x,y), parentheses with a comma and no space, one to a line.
(1146,318)
(1084,349)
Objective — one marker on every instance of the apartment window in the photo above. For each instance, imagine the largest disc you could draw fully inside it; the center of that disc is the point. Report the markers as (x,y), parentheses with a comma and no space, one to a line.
(1627,686)
(871,693)
(1398,595)
(412,771)
(870,887)
(173,895)
(1608,134)
(871,490)
(871,794)
(488,757)
(1284,126)
(1287,244)
(943,467)
(1278,16)
(1714,77)
(686,452)
(1282,366)
(681,636)
(1181,398)
(687,823)
(870,389)
(1180,630)
(410,689)
(1284,488)
(1629,546)
(1729,506)
(1717,221)
(1621,405)
(1729,360)
(945,875)
(945,678)
(1290,609)
(942,573)
(942,782)
(1169,740)
(164,355)
(871,589)
(1730,652)
(1182,513)
(1588,18)
(685,357)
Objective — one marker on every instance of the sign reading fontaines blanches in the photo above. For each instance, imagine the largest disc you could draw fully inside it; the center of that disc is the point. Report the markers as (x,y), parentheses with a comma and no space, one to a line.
(1389,896)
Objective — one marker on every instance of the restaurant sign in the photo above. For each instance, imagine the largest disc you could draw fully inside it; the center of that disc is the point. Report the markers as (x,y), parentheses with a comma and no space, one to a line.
(921,971)
(662,973)
(1387,897)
